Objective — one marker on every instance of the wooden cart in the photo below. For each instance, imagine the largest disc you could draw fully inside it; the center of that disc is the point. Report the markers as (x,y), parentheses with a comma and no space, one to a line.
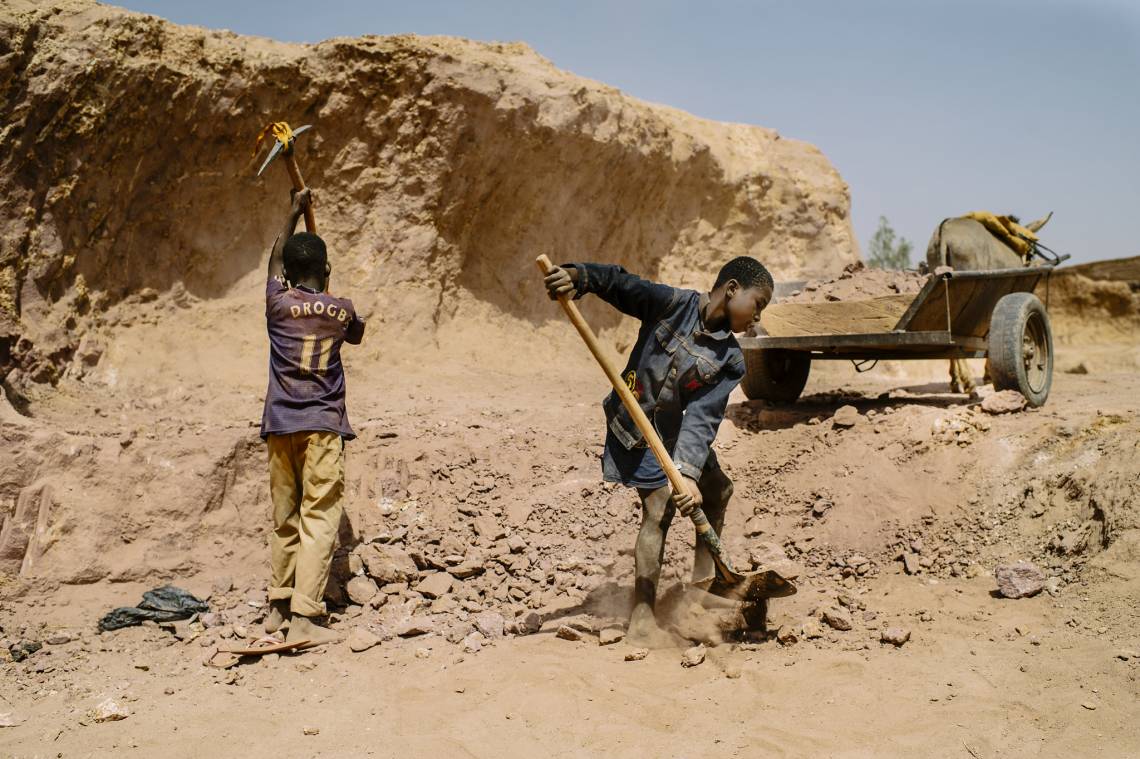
(957,314)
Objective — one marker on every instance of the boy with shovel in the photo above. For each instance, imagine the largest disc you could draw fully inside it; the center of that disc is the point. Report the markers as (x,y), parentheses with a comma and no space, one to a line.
(684,365)
(305,425)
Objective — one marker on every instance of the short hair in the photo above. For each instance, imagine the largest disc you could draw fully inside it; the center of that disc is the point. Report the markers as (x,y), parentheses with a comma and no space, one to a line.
(747,271)
(305,256)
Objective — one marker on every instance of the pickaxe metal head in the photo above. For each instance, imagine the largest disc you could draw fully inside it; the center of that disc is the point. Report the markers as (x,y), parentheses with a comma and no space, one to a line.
(284,138)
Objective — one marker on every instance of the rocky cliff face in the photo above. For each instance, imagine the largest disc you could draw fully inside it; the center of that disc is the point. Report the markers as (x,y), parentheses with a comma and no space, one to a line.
(442,167)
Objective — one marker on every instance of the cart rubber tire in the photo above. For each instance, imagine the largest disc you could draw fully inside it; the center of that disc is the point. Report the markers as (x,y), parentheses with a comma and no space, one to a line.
(1021,347)
(775,375)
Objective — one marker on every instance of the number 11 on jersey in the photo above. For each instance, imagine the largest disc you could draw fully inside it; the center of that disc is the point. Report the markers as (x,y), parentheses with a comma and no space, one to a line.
(307,350)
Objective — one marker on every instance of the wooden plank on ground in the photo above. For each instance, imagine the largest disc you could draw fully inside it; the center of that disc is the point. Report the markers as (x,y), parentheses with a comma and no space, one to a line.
(834,318)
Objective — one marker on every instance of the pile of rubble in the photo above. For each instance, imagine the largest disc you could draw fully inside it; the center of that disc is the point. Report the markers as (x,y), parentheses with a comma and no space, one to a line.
(857,282)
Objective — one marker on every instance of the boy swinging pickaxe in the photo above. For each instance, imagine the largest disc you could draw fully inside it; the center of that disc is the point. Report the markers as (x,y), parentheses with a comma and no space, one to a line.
(284,138)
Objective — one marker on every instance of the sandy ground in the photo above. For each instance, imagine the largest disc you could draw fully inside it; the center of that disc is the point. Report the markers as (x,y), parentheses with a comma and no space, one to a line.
(982,676)
(969,685)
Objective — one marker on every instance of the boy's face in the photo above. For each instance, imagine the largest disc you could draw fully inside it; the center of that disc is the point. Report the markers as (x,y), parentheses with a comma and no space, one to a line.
(744,304)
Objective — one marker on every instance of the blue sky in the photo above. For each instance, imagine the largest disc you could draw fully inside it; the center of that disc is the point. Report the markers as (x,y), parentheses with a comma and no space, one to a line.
(927,108)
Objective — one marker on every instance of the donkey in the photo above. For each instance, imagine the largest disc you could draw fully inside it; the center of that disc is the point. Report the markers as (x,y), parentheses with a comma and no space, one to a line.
(966,244)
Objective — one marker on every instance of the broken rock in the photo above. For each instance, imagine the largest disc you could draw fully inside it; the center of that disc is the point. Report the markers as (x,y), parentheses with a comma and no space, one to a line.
(771,556)
(566,632)
(489,529)
(109,710)
(360,589)
(409,628)
(355,564)
(530,623)
(910,564)
(23,649)
(896,636)
(473,642)
(490,624)
(837,618)
(465,570)
(362,639)
(693,656)
(845,417)
(388,564)
(1004,402)
(1019,580)
(435,585)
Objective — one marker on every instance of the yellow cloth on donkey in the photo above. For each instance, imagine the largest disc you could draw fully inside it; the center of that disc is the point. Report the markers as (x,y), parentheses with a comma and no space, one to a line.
(1007,230)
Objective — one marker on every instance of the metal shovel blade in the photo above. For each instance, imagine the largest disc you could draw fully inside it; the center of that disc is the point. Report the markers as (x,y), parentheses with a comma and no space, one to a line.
(726,582)
(751,587)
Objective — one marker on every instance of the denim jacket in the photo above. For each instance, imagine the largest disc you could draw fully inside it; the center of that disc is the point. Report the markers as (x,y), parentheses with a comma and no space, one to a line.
(681,373)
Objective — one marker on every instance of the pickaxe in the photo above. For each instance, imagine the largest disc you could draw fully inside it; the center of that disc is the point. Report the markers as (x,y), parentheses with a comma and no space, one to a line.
(284,137)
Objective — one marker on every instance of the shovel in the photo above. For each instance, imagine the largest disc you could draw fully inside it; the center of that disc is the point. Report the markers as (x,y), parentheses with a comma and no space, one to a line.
(727,582)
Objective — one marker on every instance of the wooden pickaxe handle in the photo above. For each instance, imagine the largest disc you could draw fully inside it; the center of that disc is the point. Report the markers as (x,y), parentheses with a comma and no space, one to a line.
(676,479)
(298,185)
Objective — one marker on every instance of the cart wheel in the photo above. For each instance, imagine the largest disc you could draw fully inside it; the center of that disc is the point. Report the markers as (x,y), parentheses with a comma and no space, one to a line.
(775,375)
(1021,347)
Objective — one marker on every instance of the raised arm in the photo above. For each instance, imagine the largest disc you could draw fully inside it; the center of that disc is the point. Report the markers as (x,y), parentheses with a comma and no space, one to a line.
(626,292)
(296,211)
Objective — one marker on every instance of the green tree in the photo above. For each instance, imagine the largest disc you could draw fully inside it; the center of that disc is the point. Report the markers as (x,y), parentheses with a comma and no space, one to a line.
(884,252)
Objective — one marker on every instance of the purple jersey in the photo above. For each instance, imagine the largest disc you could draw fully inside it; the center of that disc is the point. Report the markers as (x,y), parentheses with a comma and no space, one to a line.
(306,379)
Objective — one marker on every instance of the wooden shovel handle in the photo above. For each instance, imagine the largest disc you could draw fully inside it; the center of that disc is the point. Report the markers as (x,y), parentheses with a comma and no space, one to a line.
(676,479)
(298,185)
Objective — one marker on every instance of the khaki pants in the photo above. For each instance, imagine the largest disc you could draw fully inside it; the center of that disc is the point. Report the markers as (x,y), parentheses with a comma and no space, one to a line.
(306,479)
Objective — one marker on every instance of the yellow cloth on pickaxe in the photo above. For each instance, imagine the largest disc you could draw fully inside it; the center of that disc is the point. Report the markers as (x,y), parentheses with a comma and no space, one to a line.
(279,129)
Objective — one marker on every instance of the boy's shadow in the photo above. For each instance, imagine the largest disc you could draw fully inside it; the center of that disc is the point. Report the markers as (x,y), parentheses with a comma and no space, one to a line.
(755,416)
(348,539)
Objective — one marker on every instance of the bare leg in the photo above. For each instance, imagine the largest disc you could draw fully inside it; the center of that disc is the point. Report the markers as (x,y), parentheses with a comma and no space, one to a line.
(656,515)
(716,490)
